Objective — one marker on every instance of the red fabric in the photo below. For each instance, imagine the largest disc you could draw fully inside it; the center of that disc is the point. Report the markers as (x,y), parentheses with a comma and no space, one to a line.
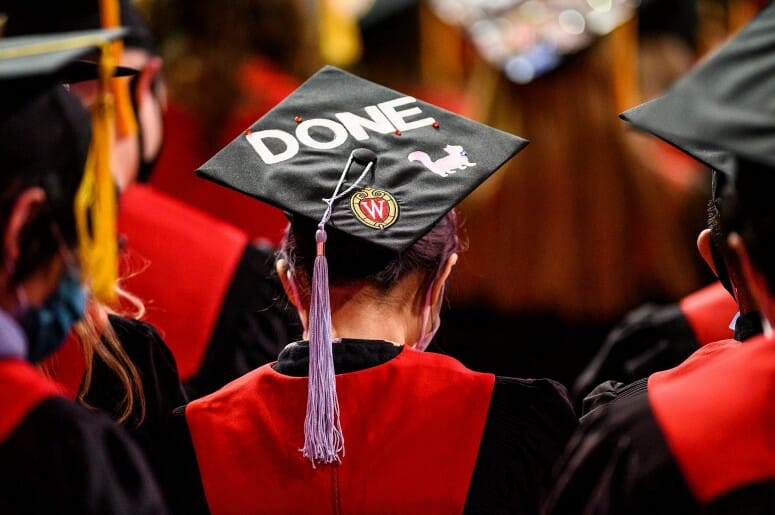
(698,359)
(412,428)
(262,87)
(22,388)
(709,312)
(67,365)
(719,419)
(180,262)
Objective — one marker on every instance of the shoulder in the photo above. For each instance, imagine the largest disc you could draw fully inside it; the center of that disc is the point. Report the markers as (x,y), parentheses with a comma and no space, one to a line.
(144,345)
(618,461)
(528,424)
(68,460)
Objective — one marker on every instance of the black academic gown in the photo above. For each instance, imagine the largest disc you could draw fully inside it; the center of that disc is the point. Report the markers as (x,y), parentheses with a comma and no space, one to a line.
(56,457)
(513,435)
(699,442)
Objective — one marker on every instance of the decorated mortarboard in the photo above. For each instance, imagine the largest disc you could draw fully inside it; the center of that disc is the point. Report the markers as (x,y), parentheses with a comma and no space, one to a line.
(424,160)
(373,163)
(724,109)
(529,38)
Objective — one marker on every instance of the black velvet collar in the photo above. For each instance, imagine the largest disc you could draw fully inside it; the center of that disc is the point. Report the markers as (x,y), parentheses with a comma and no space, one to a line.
(349,356)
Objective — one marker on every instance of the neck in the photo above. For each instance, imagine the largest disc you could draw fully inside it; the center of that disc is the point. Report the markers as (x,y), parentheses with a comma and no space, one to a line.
(368,314)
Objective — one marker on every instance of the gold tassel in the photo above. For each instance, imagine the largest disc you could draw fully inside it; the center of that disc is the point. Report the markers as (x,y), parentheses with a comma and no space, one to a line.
(340,37)
(95,201)
(126,123)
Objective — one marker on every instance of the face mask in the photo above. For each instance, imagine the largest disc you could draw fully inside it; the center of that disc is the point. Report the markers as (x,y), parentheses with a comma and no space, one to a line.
(146,165)
(426,338)
(47,326)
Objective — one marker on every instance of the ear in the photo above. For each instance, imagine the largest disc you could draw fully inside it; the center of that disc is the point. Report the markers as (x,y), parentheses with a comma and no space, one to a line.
(147,74)
(438,284)
(23,211)
(284,273)
(704,246)
(755,280)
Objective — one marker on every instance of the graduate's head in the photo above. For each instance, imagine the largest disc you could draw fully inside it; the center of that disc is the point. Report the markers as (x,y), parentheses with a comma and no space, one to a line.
(370,177)
(45,137)
(722,114)
(751,223)
(141,99)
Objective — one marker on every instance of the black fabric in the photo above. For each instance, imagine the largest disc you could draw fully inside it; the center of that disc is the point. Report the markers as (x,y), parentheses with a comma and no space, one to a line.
(161,387)
(618,463)
(649,339)
(528,424)
(63,460)
(609,392)
(747,326)
(255,322)
(349,356)
(181,481)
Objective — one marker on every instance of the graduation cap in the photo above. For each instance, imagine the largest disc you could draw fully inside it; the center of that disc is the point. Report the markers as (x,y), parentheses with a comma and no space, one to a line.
(34,62)
(29,65)
(724,109)
(31,17)
(45,132)
(364,160)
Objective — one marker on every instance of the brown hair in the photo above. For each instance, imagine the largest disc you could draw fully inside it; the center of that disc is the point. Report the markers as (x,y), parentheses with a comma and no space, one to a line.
(97,338)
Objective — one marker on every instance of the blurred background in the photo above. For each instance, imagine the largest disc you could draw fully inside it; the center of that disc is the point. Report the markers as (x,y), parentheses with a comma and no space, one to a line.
(590,221)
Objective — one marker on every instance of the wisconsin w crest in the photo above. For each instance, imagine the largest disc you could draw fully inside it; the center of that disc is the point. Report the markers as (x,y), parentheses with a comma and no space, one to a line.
(375,208)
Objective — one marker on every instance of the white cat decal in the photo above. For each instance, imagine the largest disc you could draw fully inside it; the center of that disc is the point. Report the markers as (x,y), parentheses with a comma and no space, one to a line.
(457,159)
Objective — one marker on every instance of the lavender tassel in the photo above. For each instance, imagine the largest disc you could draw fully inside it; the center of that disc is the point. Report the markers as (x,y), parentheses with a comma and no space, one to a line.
(323,438)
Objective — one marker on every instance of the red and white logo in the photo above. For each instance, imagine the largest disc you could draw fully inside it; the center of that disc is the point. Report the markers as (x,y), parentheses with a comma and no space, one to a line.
(375,208)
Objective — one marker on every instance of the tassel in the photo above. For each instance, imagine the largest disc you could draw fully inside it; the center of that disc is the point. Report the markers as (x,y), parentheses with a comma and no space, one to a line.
(95,201)
(126,123)
(323,438)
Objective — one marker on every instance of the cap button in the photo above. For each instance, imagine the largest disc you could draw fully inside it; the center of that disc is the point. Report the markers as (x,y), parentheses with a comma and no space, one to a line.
(364,156)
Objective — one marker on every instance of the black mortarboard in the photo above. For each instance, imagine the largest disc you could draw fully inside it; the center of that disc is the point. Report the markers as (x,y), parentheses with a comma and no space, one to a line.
(32,17)
(31,64)
(724,105)
(388,166)
(45,131)
(427,159)
(31,67)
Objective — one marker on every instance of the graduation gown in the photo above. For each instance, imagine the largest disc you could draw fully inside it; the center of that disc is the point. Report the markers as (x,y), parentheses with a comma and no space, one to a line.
(56,457)
(697,441)
(423,434)
(748,326)
(162,390)
(211,292)
(653,338)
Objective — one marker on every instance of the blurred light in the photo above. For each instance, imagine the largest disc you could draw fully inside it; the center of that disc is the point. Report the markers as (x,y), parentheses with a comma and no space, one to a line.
(519,70)
(572,22)
(600,5)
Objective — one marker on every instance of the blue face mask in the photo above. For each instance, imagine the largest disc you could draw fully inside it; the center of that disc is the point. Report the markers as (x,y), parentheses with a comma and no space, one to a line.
(47,326)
